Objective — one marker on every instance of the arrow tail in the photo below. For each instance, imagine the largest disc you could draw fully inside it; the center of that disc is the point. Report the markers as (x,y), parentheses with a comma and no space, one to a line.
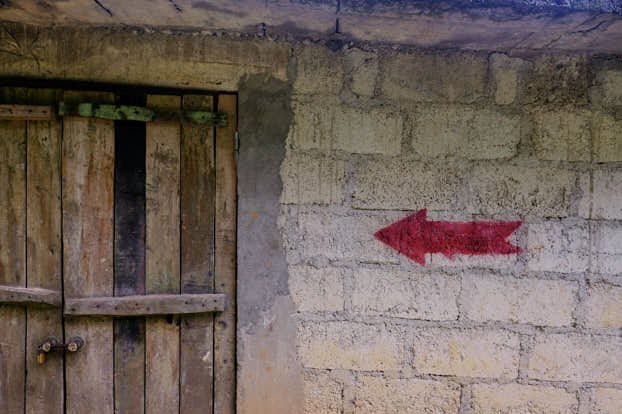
(503,229)
(505,247)
(498,232)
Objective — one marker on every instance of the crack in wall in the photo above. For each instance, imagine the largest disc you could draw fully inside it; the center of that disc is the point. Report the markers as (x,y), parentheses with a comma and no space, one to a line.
(102,7)
(177,8)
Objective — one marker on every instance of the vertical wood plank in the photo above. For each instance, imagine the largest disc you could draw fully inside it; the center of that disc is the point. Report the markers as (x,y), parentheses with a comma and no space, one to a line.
(44,383)
(163,258)
(225,275)
(198,187)
(12,263)
(87,196)
(129,262)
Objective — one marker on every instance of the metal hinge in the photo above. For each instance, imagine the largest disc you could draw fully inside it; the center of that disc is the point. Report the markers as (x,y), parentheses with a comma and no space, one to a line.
(139,113)
(112,112)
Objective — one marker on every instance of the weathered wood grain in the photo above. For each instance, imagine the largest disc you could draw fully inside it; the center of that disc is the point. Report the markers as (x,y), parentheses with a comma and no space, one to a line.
(30,296)
(226,199)
(88,174)
(27,112)
(44,383)
(163,258)
(146,305)
(198,188)
(12,263)
(129,260)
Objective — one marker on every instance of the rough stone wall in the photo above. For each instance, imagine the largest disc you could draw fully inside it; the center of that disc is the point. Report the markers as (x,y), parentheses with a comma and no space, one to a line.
(470,136)
(334,146)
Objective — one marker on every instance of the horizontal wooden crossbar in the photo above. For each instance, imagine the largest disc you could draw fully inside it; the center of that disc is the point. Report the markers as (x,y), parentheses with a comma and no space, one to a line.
(112,112)
(145,305)
(139,113)
(27,112)
(29,296)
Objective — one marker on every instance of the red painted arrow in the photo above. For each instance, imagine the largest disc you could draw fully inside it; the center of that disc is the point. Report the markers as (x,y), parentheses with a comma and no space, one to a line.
(414,236)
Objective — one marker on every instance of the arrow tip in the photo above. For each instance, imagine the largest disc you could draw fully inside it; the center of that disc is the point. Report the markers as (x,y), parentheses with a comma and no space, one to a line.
(405,236)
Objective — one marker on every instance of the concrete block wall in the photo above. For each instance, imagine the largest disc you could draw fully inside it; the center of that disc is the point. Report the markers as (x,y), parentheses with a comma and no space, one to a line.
(378,134)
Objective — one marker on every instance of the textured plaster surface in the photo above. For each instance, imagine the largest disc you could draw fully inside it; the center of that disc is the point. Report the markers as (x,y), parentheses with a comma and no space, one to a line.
(269,375)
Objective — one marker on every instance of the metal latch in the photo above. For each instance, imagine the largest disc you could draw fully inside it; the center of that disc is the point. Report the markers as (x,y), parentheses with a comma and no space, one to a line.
(53,345)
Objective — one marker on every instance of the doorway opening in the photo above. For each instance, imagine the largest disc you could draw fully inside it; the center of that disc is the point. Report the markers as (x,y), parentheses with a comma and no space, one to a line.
(117,233)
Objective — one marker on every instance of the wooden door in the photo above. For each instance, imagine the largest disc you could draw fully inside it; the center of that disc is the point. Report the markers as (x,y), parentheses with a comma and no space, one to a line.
(134,223)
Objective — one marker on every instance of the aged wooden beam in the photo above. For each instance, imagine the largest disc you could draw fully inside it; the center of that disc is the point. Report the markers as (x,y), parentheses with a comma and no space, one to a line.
(162,259)
(27,112)
(29,296)
(139,113)
(225,265)
(197,189)
(88,235)
(145,305)
(44,260)
(13,262)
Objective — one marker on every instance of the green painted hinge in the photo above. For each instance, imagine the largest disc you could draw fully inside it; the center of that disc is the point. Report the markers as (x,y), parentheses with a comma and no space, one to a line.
(139,113)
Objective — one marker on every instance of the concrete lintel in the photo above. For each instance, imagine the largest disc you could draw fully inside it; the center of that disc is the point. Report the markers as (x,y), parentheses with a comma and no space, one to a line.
(482,25)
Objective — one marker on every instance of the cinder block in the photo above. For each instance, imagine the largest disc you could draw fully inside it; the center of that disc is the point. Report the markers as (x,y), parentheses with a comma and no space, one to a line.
(323,394)
(558,246)
(349,345)
(603,306)
(606,401)
(375,395)
(345,237)
(408,185)
(507,75)
(508,299)
(607,143)
(463,261)
(330,126)
(402,294)
(563,135)
(606,194)
(318,70)
(558,79)
(466,353)
(435,77)
(574,357)
(375,131)
(606,247)
(612,87)
(516,398)
(361,71)
(312,179)
(517,190)
(609,90)
(463,131)
(316,290)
